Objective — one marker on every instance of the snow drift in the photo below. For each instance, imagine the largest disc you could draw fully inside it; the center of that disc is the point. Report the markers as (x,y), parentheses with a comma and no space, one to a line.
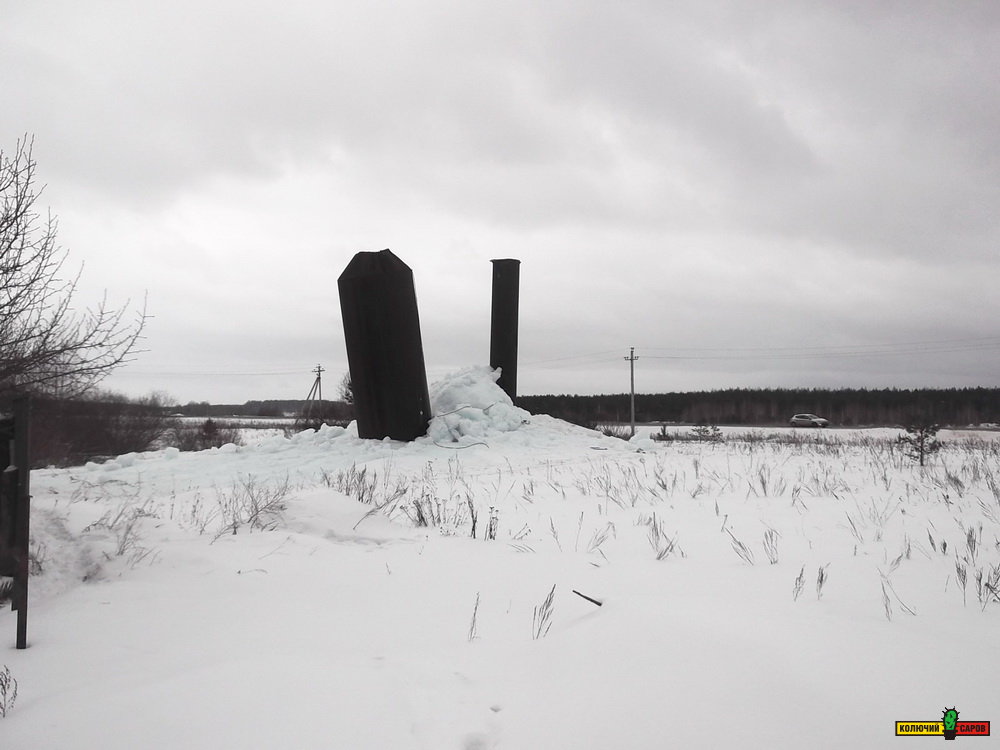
(325,591)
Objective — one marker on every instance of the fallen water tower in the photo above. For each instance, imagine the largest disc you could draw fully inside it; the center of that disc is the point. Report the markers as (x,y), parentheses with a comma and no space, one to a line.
(385,353)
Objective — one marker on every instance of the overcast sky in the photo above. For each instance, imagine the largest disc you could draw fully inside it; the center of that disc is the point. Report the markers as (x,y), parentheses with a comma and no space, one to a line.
(749,193)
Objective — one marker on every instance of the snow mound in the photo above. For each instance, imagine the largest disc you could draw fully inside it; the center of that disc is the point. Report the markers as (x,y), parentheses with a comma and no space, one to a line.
(469,404)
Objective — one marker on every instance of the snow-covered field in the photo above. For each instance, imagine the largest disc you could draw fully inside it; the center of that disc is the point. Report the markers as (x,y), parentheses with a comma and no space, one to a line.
(756,594)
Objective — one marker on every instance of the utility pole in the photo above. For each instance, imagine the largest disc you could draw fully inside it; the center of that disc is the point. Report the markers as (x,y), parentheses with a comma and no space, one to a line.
(319,383)
(315,394)
(631,366)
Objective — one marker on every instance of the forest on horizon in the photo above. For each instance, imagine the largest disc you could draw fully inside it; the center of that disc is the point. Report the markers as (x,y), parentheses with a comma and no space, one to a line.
(849,407)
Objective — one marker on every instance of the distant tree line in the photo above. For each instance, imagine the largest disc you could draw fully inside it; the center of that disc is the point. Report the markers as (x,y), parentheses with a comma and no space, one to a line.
(332,410)
(100,424)
(774,406)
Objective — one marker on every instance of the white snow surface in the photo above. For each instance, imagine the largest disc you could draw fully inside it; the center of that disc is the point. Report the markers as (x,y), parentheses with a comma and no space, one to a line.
(162,616)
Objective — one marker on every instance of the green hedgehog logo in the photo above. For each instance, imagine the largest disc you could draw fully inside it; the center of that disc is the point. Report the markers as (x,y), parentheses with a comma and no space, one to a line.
(950,718)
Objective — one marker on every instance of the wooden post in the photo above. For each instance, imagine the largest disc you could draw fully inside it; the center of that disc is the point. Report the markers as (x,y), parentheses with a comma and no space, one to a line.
(22,417)
(15,511)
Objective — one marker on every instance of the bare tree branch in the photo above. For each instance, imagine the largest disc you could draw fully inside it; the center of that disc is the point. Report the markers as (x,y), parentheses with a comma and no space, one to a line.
(45,345)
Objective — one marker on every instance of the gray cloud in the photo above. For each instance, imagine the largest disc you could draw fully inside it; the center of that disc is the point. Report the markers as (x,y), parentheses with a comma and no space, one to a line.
(678,174)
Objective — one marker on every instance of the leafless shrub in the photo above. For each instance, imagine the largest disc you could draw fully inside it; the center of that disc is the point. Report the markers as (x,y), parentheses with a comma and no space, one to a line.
(886,603)
(554,532)
(821,579)
(619,431)
(988,585)
(444,514)
(768,483)
(428,511)
(8,691)
(124,523)
(707,433)
(895,564)
(663,435)
(199,515)
(600,536)
(902,604)
(209,434)
(663,544)
(854,528)
(542,618)
(418,517)
(474,516)
(800,581)
(879,515)
(494,522)
(37,557)
(740,548)
(794,438)
(473,626)
(954,482)
(973,542)
(771,546)
(252,503)
(353,482)
(961,572)
(994,486)
(993,514)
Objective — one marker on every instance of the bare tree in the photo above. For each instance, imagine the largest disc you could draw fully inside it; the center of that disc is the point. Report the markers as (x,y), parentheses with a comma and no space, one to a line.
(46,345)
(346,389)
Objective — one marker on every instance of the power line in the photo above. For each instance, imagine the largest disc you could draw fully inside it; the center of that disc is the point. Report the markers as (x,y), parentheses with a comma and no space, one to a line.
(207,373)
(569,357)
(898,349)
(844,350)
(995,341)
(828,354)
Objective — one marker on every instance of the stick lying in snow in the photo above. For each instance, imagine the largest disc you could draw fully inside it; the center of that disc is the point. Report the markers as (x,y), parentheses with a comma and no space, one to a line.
(584,596)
